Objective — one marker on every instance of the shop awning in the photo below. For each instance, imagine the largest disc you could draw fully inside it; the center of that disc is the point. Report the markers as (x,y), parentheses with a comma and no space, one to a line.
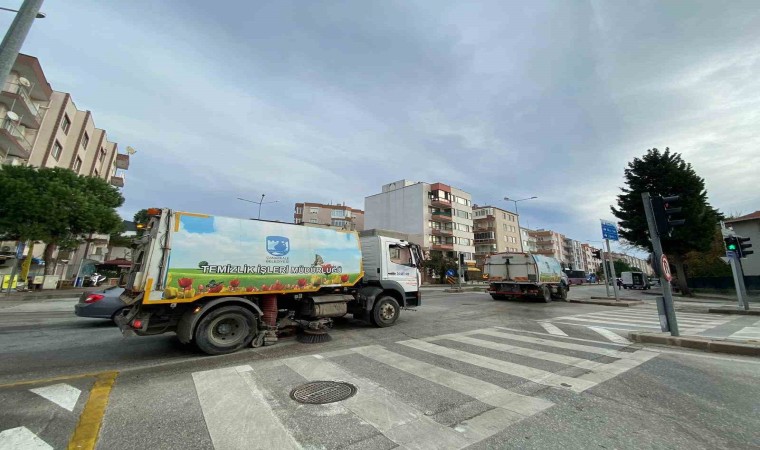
(117,262)
(473,269)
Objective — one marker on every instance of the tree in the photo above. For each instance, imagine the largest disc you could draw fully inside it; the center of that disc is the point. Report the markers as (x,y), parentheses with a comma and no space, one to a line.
(202,264)
(439,264)
(56,206)
(141,217)
(708,264)
(666,173)
(622,266)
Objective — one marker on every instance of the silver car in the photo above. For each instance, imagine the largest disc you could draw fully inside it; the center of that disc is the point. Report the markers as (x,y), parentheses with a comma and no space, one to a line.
(102,304)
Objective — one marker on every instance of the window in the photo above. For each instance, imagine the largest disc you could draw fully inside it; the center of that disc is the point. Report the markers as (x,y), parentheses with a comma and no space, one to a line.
(65,124)
(339,223)
(313,220)
(85,140)
(485,235)
(314,210)
(57,149)
(77,164)
(400,255)
(503,215)
(337,213)
(299,209)
(102,154)
(463,214)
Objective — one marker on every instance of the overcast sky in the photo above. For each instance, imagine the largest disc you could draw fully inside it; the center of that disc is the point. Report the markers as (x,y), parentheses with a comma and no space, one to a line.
(327,101)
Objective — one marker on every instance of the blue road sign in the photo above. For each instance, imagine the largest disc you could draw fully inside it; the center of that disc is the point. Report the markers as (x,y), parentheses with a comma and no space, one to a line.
(450,273)
(609,230)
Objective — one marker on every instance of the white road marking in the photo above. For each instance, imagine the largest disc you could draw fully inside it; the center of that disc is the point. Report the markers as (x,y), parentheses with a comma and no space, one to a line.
(484,391)
(399,422)
(747,333)
(529,373)
(236,412)
(544,334)
(21,438)
(552,329)
(61,394)
(551,343)
(611,335)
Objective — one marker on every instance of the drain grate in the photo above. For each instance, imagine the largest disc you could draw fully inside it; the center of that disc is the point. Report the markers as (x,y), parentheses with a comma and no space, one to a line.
(321,392)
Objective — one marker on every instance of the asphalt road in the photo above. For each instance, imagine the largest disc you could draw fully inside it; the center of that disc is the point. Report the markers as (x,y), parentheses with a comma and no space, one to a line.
(461,371)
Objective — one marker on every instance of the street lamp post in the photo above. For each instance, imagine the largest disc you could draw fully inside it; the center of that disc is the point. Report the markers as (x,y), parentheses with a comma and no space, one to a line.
(14,37)
(519,231)
(260,202)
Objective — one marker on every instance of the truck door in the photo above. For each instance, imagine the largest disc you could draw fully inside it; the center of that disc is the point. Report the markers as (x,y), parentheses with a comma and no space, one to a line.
(401,269)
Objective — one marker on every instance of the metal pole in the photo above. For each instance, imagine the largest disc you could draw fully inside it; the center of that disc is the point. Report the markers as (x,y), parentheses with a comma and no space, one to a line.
(606,276)
(14,37)
(667,292)
(612,270)
(741,294)
(459,270)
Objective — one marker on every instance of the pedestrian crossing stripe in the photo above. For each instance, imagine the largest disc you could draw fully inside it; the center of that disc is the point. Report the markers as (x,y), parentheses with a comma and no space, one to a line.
(746,333)
(239,410)
(638,319)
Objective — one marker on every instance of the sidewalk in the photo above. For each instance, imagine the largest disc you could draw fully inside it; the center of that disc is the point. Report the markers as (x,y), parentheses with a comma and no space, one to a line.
(47,294)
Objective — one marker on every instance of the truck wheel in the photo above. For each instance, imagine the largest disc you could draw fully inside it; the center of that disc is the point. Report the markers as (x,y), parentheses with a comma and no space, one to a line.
(546,294)
(385,312)
(498,297)
(562,293)
(225,330)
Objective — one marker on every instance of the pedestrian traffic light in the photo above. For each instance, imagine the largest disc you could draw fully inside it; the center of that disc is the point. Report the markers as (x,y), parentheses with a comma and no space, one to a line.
(663,208)
(744,246)
(731,244)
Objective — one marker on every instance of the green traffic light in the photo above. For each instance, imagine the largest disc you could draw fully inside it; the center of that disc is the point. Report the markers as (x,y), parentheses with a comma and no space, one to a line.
(732,247)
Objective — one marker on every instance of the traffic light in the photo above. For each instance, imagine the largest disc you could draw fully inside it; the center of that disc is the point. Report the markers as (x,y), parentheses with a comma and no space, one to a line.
(731,244)
(744,246)
(461,259)
(663,208)
(598,254)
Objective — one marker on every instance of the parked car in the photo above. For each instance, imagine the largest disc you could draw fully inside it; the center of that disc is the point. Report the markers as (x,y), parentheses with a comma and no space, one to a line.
(102,304)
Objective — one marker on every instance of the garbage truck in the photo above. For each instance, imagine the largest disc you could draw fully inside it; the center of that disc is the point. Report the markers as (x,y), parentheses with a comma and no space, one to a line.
(528,275)
(224,283)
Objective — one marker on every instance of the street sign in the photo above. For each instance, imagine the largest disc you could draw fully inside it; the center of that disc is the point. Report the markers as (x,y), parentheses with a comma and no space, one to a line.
(20,250)
(609,230)
(450,273)
(730,254)
(665,268)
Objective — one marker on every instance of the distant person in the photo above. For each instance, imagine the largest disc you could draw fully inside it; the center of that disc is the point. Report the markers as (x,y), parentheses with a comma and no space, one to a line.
(619,284)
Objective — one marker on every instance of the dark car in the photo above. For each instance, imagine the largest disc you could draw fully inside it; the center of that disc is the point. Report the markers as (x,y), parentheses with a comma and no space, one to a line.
(102,304)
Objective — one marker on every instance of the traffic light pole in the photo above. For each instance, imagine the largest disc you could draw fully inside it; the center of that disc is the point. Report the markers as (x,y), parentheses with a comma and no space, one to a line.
(667,292)
(606,275)
(736,270)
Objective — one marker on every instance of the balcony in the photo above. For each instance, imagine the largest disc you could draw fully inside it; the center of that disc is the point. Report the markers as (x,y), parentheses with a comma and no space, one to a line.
(440,216)
(31,115)
(122,162)
(441,232)
(439,202)
(13,139)
(443,247)
(117,181)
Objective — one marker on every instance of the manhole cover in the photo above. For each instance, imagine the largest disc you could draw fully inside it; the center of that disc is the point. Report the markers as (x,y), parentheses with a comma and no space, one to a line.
(321,392)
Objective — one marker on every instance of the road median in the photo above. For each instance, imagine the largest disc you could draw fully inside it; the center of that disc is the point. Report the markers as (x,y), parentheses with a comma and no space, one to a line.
(715,345)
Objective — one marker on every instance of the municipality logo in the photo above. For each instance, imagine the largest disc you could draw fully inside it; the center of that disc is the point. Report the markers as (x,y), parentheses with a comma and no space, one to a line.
(278,245)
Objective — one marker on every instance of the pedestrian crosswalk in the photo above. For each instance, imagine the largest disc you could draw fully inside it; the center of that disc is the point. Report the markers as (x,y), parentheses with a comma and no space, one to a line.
(748,333)
(638,320)
(442,392)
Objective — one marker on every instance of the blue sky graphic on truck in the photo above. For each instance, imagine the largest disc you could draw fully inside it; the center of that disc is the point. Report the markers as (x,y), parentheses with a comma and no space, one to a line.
(278,245)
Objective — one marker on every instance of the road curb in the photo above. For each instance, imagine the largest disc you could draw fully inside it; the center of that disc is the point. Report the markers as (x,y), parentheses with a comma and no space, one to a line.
(607,302)
(751,312)
(34,297)
(715,345)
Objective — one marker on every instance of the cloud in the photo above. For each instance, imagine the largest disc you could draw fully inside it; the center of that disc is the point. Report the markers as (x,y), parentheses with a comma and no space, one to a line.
(328,101)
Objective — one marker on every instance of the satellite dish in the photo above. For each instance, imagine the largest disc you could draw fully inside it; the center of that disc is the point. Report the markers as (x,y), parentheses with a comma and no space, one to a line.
(24,82)
(131,151)
(12,115)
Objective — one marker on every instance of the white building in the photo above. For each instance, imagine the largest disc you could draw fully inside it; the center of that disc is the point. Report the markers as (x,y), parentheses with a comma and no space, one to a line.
(436,216)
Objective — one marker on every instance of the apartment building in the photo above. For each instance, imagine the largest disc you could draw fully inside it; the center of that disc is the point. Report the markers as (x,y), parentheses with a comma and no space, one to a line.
(550,243)
(528,240)
(636,263)
(496,231)
(435,215)
(574,254)
(591,262)
(42,127)
(337,216)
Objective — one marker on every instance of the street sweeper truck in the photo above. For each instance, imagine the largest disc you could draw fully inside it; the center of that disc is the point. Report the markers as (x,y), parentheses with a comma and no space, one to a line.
(224,283)
(526,275)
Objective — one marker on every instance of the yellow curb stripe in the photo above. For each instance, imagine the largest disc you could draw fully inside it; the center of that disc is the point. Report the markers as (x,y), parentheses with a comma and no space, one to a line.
(50,380)
(86,433)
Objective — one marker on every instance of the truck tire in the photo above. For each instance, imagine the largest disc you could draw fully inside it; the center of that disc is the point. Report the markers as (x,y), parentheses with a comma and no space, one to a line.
(562,293)
(225,330)
(498,297)
(385,312)
(546,294)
